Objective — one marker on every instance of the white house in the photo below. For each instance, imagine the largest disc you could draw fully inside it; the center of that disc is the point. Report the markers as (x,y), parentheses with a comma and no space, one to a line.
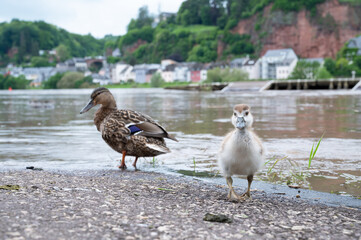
(181,71)
(252,67)
(355,43)
(121,72)
(168,73)
(278,64)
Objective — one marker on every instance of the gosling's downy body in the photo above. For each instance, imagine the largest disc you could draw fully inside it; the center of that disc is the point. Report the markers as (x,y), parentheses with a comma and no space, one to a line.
(126,131)
(241,152)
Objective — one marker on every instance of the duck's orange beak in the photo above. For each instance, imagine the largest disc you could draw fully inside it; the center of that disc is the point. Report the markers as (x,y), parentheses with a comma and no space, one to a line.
(88,106)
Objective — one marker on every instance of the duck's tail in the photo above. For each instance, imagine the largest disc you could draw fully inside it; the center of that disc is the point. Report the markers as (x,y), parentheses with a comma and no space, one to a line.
(171,137)
(158,148)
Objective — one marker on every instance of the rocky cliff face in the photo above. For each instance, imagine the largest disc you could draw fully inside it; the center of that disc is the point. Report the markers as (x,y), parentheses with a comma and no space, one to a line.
(318,36)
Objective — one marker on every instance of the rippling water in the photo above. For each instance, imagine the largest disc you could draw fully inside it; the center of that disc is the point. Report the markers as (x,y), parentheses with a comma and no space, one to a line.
(43,128)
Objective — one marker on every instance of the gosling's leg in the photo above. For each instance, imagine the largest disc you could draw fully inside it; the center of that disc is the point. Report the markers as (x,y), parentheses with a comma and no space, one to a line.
(231,194)
(135,162)
(247,194)
(122,164)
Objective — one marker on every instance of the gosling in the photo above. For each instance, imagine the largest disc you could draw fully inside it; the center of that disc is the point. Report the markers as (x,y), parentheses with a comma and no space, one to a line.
(241,151)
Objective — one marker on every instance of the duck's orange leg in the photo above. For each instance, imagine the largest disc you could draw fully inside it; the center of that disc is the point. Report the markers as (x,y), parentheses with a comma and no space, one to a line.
(135,162)
(122,164)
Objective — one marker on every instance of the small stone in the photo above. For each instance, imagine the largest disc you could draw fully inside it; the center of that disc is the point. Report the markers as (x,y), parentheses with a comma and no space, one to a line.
(217,218)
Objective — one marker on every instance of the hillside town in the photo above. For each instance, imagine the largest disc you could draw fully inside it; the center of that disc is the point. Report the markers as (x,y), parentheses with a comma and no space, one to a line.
(274,64)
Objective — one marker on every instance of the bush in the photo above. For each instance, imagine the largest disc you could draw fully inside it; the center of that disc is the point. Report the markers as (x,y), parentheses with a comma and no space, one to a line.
(69,80)
(156,80)
(13,82)
(226,75)
(52,82)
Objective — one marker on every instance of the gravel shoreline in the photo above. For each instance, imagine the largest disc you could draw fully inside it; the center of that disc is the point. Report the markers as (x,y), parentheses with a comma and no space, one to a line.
(114,204)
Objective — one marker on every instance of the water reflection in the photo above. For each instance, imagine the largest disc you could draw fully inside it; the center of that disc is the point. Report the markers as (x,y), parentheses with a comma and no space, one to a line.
(44,128)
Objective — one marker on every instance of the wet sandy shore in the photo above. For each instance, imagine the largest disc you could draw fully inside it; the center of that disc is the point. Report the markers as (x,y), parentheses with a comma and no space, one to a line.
(143,205)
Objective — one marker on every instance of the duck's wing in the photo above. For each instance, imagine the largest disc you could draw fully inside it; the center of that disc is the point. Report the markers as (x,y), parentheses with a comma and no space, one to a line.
(140,124)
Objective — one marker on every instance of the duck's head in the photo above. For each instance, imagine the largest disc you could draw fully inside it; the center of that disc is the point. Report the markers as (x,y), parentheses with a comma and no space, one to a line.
(242,117)
(100,96)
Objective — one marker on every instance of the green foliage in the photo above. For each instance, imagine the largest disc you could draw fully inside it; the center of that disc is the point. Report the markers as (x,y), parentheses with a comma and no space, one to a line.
(13,82)
(27,38)
(156,80)
(112,59)
(52,82)
(143,19)
(69,80)
(40,62)
(145,34)
(305,70)
(322,73)
(202,53)
(296,5)
(226,75)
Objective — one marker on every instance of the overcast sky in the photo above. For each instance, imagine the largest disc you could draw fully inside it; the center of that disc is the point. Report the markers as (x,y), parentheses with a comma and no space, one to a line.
(97,17)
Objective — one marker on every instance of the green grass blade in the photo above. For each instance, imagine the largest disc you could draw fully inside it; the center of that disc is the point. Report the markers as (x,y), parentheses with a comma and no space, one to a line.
(310,159)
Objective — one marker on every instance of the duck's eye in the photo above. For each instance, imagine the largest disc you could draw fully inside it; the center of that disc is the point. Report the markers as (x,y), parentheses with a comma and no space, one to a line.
(246,113)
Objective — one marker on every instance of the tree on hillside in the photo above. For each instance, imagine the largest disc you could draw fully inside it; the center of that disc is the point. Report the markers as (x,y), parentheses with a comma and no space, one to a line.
(144,19)
(62,52)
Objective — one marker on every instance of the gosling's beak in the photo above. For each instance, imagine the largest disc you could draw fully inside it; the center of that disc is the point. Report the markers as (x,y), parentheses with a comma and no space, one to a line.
(241,123)
(88,106)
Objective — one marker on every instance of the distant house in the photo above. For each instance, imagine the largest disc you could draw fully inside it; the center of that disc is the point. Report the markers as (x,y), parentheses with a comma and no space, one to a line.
(149,74)
(195,71)
(181,72)
(355,43)
(101,79)
(116,53)
(38,75)
(252,67)
(80,64)
(278,64)
(238,62)
(121,72)
(162,17)
(165,62)
(142,70)
(168,73)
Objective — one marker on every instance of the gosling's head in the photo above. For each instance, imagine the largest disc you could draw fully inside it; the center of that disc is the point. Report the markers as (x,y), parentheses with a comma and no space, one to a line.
(242,117)
(100,96)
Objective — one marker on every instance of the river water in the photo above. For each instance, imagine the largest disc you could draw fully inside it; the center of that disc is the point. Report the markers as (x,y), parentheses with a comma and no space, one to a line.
(43,128)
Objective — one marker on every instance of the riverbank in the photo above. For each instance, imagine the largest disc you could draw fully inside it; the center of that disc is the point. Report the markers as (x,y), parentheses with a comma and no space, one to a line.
(131,205)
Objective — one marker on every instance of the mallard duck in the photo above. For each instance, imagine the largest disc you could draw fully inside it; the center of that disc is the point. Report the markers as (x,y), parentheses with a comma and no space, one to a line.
(241,151)
(126,131)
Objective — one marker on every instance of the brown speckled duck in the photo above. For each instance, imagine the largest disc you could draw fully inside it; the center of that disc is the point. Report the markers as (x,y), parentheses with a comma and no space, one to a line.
(126,131)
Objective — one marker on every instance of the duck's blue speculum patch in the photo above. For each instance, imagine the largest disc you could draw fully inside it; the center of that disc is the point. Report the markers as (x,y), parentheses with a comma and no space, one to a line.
(134,129)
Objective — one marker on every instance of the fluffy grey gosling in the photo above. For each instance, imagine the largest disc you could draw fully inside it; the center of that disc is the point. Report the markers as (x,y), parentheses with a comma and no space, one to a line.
(241,152)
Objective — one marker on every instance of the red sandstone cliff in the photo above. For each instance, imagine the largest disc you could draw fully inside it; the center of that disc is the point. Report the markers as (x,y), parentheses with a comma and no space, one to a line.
(321,35)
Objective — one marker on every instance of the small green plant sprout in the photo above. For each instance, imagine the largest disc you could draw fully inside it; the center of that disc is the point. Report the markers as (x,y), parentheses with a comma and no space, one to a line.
(194,164)
(313,151)
(154,161)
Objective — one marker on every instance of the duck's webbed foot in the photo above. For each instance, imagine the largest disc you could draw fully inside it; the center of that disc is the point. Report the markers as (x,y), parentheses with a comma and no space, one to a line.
(135,163)
(122,164)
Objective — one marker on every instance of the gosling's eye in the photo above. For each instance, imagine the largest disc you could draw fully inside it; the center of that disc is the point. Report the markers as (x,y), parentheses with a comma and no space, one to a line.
(246,113)
(234,114)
